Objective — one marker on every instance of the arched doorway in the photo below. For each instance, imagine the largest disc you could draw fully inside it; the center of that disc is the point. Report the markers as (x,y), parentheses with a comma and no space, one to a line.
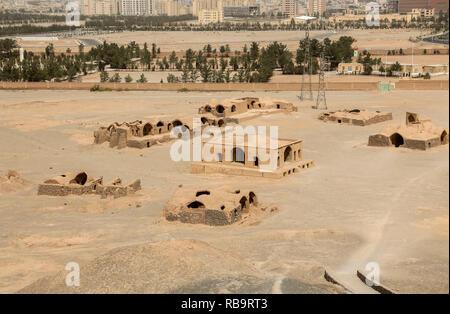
(80,178)
(252,198)
(444,137)
(238,155)
(147,129)
(176,123)
(397,140)
(288,154)
(243,202)
(233,108)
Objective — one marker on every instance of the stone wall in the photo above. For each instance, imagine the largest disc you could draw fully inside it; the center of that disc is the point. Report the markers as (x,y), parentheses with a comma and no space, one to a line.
(403,84)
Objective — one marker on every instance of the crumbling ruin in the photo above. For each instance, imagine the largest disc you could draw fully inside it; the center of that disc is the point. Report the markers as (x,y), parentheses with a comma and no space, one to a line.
(11,182)
(82,183)
(245,159)
(146,133)
(236,110)
(356,117)
(415,134)
(214,207)
(143,134)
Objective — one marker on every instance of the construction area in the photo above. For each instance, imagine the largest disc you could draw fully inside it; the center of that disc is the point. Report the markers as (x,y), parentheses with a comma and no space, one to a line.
(357,204)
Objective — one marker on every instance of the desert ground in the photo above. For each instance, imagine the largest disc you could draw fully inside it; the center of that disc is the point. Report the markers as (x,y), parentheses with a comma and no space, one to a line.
(180,41)
(359,204)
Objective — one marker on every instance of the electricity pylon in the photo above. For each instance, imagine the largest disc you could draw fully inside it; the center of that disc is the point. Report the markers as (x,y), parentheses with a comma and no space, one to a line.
(321,101)
(306,89)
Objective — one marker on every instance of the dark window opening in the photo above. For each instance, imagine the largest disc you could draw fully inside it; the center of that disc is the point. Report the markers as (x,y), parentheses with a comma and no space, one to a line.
(176,123)
(220,109)
(444,137)
(196,204)
(238,155)
(202,193)
(80,179)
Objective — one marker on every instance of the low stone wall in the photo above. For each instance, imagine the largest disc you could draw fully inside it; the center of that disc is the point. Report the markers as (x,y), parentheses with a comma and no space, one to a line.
(402,85)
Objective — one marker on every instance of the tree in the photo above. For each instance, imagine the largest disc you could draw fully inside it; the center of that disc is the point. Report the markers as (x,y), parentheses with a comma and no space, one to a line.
(142,79)
(396,67)
(128,79)
(173,59)
(427,76)
(115,78)
(104,76)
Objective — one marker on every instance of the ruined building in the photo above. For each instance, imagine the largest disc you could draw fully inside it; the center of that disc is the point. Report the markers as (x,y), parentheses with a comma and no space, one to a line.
(415,134)
(237,110)
(142,134)
(242,157)
(215,207)
(356,117)
(82,183)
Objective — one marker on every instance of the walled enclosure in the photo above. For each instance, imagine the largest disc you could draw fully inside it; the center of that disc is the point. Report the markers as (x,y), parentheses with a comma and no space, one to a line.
(415,134)
(355,117)
(82,183)
(242,157)
(214,207)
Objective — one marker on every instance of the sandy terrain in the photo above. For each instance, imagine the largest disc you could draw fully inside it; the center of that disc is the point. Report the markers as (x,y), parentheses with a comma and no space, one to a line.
(359,204)
(169,41)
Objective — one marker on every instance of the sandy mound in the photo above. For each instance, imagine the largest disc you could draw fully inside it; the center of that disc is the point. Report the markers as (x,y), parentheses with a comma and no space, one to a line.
(11,182)
(185,266)
(163,267)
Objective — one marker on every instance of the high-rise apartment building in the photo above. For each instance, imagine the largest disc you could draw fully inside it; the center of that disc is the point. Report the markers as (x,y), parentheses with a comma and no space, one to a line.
(317,7)
(289,8)
(99,7)
(136,7)
(405,6)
